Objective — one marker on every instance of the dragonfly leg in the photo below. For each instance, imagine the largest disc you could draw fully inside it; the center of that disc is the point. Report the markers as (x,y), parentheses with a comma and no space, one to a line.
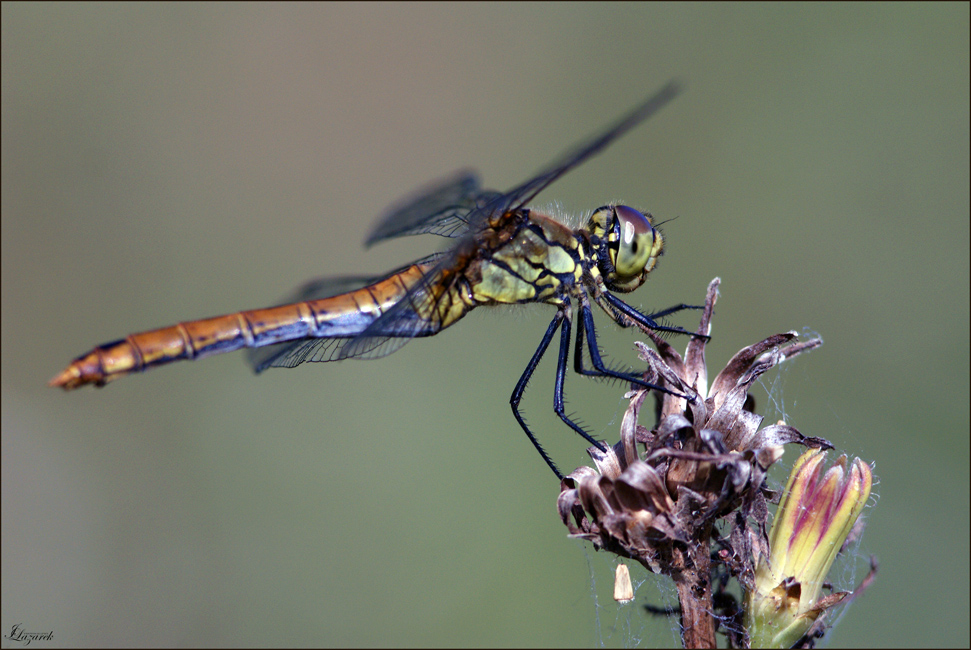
(620,311)
(673,310)
(558,403)
(578,358)
(517,393)
(560,320)
(600,368)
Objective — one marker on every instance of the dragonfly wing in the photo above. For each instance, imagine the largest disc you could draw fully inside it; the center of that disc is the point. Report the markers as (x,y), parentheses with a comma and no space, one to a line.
(519,196)
(418,313)
(457,205)
(321,288)
(293,353)
(439,209)
(290,354)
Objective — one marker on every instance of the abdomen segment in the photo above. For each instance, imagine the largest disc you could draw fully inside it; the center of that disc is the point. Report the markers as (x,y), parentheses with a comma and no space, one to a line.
(342,316)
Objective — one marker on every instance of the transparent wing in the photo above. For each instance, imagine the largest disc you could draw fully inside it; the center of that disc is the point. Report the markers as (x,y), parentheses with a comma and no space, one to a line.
(527,191)
(289,354)
(293,353)
(457,205)
(320,288)
(520,196)
(439,209)
(418,313)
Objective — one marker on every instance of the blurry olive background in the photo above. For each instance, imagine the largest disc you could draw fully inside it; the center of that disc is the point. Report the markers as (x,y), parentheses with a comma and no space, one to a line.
(164,163)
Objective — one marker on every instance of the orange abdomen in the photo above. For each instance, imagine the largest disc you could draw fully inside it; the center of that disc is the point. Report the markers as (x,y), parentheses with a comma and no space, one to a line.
(341,316)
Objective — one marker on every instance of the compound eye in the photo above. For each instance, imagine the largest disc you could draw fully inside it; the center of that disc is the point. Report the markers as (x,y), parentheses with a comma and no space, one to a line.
(637,242)
(631,221)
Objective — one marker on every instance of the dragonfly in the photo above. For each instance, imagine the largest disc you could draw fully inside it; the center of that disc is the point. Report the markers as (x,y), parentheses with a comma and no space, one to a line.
(504,253)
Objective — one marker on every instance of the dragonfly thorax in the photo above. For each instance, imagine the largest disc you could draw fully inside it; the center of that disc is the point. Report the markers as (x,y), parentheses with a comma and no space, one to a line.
(626,243)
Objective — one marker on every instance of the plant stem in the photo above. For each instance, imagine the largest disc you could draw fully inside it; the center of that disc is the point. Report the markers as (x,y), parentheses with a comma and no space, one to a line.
(693,581)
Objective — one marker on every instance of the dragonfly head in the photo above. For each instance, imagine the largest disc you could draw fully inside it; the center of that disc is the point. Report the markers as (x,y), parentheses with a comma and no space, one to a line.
(627,245)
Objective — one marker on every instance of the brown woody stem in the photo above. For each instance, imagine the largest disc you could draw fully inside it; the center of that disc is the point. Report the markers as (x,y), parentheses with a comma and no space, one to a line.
(693,581)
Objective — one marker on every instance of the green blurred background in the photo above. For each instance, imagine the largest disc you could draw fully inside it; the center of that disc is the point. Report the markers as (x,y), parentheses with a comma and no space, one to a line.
(170,162)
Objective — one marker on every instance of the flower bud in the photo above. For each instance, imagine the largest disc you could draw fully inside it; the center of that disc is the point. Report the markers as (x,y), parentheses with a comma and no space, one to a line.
(817,512)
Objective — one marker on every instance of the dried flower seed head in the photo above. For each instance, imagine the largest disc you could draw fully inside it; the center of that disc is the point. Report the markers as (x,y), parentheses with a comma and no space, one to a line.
(656,495)
(707,455)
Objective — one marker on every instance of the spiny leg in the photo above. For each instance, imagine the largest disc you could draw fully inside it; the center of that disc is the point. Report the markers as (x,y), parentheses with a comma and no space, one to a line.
(671,310)
(600,368)
(517,393)
(647,320)
(558,405)
(559,320)
(578,356)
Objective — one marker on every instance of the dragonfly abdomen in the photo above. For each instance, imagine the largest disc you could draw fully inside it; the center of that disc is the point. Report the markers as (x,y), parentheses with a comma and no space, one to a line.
(342,316)
(190,340)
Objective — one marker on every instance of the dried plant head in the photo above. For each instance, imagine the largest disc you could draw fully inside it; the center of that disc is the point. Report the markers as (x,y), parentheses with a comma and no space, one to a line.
(656,495)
